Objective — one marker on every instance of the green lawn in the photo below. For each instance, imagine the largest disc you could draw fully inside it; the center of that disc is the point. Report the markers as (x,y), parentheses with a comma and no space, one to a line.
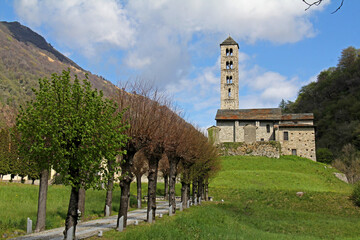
(19,201)
(260,202)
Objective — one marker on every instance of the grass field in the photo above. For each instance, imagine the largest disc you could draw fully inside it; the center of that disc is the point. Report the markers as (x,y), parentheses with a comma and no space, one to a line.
(19,201)
(260,202)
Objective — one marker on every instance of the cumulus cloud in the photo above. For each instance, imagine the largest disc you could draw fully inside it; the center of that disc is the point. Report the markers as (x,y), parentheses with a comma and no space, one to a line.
(171,42)
(81,24)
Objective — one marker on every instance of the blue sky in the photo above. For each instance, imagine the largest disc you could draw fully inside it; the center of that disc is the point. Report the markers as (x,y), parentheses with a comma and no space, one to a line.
(175,44)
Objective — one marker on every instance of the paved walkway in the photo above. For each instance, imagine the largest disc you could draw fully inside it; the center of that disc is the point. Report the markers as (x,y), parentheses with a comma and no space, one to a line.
(92,228)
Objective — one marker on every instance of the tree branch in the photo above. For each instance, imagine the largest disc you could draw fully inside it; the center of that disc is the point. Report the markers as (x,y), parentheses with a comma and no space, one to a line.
(318,2)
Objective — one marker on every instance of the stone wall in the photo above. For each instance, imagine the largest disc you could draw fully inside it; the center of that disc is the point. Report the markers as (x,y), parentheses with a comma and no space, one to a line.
(270,149)
(301,142)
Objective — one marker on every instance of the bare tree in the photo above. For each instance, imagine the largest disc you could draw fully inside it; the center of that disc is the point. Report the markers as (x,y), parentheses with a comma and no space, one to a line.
(139,168)
(164,169)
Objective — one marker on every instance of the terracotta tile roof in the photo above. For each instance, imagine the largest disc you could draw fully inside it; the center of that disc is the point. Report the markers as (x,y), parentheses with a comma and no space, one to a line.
(295,125)
(249,114)
(229,41)
(298,116)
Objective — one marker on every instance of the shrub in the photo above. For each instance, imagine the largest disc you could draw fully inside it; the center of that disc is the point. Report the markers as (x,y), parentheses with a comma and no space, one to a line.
(324,155)
(133,201)
(58,179)
(355,196)
(349,163)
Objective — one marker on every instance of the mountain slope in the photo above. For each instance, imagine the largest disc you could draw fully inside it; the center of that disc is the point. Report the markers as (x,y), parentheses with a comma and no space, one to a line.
(25,56)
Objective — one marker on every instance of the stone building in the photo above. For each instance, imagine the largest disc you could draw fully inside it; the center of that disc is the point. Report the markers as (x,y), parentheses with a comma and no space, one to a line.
(295,132)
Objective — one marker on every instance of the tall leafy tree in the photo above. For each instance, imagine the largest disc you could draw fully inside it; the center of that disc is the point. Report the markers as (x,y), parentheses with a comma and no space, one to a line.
(72,128)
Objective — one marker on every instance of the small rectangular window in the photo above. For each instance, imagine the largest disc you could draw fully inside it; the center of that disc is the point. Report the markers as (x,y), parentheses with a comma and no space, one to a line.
(286,136)
(293,152)
(267,128)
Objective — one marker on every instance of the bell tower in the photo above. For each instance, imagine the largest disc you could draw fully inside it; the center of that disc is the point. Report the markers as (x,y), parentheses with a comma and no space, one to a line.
(229,80)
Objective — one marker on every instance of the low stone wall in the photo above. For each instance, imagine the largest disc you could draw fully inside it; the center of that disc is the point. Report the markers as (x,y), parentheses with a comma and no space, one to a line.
(270,149)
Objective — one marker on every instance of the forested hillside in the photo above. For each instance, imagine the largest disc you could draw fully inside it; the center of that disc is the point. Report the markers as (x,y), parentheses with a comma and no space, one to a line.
(335,101)
(25,56)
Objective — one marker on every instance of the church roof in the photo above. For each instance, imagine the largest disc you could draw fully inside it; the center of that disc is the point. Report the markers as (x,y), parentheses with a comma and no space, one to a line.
(229,41)
(261,114)
(249,114)
(297,116)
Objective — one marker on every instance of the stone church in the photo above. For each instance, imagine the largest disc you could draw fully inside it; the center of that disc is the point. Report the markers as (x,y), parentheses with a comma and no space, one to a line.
(295,132)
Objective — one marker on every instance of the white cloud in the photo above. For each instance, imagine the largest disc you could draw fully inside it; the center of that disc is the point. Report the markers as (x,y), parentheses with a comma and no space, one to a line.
(81,24)
(160,39)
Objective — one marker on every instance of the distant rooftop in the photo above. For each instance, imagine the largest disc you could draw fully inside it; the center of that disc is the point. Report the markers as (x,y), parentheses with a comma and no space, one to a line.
(249,114)
(260,114)
(229,41)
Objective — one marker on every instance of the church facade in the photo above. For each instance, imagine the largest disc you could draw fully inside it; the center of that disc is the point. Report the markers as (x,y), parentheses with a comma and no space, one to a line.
(295,132)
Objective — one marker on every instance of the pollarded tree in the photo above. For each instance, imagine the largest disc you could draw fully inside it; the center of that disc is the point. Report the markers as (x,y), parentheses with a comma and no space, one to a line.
(78,130)
(139,168)
(141,100)
(164,169)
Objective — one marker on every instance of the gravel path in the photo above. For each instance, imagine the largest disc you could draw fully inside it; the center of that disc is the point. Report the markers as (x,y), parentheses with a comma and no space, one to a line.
(92,228)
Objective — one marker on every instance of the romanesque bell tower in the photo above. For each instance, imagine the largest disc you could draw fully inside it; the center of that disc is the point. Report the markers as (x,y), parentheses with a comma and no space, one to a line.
(229,82)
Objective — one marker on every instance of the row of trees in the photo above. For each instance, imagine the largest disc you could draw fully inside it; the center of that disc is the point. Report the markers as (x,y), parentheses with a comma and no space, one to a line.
(92,141)
(159,137)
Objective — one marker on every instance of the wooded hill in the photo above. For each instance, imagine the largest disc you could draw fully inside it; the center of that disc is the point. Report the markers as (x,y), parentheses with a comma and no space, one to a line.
(25,56)
(335,101)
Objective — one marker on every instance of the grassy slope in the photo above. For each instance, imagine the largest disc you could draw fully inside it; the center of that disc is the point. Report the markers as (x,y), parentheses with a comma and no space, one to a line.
(260,202)
(19,201)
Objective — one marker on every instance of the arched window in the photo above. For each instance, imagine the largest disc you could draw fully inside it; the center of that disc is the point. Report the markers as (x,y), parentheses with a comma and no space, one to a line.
(227,52)
(227,80)
(227,65)
(231,65)
(229,92)
(231,52)
(230,79)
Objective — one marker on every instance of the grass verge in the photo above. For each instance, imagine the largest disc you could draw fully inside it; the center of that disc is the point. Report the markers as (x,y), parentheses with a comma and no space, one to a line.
(260,202)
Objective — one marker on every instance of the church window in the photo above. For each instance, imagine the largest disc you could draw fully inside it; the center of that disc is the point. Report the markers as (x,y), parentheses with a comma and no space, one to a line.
(227,52)
(286,136)
(227,65)
(230,79)
(231,52)
(267,128)
(231,65)
(229,92)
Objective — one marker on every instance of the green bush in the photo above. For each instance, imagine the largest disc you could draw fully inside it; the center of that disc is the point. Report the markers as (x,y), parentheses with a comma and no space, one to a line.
(355,196)
(58,179)
(324,155)
(133,201)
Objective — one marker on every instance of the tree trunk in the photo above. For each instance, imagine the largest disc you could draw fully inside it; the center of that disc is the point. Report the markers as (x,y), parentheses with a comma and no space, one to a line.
(201,189)
(138,185)
(206,189)
(166,187)
(109,190)
(81,204)
(72,215)
(184,196)
(172,180)
(41,213)
(126,178)
(152,180)
(109,193)
(194,190)
(188,190)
